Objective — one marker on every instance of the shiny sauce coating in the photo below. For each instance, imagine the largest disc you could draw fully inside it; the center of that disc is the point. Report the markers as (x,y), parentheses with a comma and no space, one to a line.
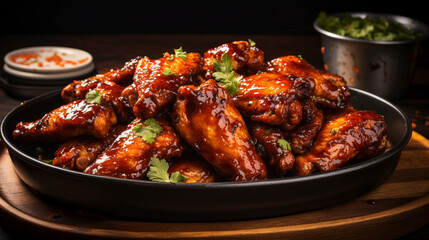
(129,155)
(208,120)
(342,139)
(157,81)
(70,120)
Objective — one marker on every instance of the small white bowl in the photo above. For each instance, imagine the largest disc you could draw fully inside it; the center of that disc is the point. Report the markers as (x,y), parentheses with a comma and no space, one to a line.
(49,76)
(48,59)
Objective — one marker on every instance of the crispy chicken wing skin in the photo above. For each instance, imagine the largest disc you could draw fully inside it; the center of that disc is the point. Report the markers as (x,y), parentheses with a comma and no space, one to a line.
(330,90)
(272,98)
(246,59)
(111,95)
(129,155)
(123,75)
(79,152)
(157,81)
(78,88)
(208,120)
(195,168)
(110,92)
(303,135)
(267,142)
(358,134)
(130,95)
(70,120)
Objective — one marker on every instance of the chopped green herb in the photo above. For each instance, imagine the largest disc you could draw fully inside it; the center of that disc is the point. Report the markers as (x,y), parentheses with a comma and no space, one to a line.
(168,72)
(284,144)
(177,177)
(93,97)
(375,29)
(333,131)
(268,132)
(150,131)
(48,161)
(225,75)
(252,43)
(158,172)
(180,53)
(170,58)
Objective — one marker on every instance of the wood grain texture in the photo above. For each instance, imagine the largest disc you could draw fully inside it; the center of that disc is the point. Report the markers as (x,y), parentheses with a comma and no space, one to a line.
(398,207)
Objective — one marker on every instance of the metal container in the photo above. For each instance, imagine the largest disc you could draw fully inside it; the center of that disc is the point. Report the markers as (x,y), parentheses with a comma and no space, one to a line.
(384,68)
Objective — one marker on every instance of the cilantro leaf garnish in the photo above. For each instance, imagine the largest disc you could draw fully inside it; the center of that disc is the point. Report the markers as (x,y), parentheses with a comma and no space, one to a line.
(158,172)
(225,75)
(168,72)
(170,58)
(93,97)
(177,177)
(180,53)
(150,131)
(48,161)
(252,43)
(284,144)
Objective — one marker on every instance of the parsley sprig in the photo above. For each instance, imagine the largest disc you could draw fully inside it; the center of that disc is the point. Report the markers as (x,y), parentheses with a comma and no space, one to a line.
(150,131)
(180,53)
(93,97)
(285,145)
(158,172)
(168,72)
(251,42)
(225,75)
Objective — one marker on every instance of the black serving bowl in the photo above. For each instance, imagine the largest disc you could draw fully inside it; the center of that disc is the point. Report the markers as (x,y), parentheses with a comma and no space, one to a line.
(155,201)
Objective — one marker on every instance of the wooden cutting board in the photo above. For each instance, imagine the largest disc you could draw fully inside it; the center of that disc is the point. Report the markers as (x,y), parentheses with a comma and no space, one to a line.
(398,207)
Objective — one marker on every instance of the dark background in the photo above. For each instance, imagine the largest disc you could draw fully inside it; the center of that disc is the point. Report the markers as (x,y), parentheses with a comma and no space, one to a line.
(226,17)
(195,17)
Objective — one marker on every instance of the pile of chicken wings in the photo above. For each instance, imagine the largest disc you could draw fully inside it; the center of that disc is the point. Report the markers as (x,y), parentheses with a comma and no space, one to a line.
(285,118)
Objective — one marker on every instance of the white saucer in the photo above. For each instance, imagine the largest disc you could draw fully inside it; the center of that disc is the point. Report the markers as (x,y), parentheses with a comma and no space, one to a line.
(49,76)
(48,59)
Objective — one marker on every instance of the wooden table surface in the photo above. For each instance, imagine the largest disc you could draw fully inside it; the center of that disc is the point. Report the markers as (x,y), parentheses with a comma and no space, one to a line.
(111,51)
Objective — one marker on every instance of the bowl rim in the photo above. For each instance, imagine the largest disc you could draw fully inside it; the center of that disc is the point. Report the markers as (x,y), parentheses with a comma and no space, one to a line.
(46,77)
(420,25)
(24,68)
(14,149)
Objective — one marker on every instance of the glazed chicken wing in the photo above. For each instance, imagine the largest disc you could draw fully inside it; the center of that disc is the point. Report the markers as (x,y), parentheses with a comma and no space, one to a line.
(272,98)
(129,154)
(360,134)
(268,142)
(70,120)
(79,152)
(123,75)
(330,90)
(110,92)
(208,120)
(195,168)
(111,95)
(303,135)
(246,59)
(157,81)
(78,88)
(130,95)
